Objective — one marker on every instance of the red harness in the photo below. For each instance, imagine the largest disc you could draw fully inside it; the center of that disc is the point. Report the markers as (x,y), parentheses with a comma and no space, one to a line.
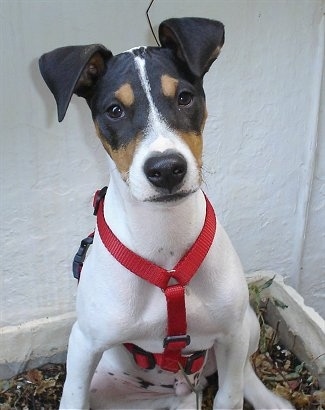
(177,338)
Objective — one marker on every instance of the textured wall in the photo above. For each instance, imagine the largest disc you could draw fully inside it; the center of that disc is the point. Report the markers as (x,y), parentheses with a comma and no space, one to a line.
(264,143)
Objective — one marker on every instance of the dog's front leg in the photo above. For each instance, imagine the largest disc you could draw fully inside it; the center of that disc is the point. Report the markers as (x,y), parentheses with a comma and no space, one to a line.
(231,354)
(82,361)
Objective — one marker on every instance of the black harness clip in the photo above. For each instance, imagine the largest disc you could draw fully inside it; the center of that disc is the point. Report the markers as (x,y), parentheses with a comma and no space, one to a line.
(80,256)
(99,195)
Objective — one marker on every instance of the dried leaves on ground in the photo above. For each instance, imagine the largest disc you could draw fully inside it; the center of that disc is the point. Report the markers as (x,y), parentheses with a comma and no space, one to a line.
(279,369)
(35,389)
(283,373)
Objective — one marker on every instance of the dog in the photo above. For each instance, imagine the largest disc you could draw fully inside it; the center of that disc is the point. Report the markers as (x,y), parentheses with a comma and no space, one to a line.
(162,300)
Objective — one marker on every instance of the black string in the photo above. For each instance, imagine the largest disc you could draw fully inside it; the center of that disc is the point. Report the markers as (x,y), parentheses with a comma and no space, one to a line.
(149,21)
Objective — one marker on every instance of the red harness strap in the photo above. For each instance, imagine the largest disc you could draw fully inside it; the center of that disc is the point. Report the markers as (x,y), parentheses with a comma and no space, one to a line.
(177,339)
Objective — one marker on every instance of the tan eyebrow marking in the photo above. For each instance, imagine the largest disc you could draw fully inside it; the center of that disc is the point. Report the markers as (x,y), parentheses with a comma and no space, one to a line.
(125,94)
(168,85)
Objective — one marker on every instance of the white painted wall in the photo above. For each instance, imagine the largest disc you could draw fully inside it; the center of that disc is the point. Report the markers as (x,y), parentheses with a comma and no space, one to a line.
(264,141)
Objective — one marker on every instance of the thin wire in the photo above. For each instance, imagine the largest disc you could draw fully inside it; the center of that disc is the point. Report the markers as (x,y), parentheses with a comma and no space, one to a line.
(149,21)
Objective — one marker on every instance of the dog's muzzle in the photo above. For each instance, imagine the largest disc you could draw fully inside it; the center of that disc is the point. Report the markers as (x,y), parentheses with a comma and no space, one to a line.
(166,171)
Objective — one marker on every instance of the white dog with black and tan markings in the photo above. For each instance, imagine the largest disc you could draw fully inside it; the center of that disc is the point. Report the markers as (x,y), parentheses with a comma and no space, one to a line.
(162,300)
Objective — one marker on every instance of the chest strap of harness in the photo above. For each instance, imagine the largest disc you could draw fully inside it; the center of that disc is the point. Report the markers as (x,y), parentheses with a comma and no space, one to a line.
(171,359)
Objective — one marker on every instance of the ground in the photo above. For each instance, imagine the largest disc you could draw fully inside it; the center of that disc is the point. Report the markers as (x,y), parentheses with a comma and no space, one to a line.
(278,368)
(41,388)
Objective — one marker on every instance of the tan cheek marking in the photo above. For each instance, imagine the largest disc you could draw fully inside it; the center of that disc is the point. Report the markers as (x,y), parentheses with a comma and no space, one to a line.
(168,85)
(125,94)
(195,140)
(123,156)
(195,143)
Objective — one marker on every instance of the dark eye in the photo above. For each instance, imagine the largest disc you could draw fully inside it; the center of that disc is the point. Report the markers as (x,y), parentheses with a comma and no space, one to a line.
(185,98)
(115,112)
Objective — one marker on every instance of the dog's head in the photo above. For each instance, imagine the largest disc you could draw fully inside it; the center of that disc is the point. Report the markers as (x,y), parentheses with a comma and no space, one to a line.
(148,103)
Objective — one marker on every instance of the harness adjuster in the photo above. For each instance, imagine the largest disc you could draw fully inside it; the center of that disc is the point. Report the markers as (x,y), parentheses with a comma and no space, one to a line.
(181,339)
(99,195)
(80,256)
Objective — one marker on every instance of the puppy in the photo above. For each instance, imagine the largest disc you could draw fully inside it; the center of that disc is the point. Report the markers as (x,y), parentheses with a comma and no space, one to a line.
(162,299)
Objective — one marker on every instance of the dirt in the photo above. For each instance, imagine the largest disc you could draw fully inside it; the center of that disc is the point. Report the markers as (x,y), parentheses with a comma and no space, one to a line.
(41,388)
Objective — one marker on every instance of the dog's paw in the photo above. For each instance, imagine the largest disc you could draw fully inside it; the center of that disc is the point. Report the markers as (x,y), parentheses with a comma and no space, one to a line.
(70,404)
(278,403)
(225,401)
(271,401)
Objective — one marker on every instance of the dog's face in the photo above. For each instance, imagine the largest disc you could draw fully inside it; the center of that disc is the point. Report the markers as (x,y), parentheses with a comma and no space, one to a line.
(148,104)
(150,121)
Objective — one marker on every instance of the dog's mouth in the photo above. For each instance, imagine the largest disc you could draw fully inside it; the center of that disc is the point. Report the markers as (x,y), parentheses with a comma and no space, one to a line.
(177,196)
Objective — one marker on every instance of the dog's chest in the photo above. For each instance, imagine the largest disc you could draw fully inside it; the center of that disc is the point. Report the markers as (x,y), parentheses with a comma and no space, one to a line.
(125,308)
(200,324)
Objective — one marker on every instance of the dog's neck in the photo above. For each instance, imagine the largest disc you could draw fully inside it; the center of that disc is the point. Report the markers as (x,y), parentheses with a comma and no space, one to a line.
(159,232)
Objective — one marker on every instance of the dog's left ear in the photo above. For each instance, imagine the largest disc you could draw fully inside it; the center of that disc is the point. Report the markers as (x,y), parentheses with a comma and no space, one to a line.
(196,41)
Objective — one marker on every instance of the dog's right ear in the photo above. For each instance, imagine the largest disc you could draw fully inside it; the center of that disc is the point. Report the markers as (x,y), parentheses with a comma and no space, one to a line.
(73,69)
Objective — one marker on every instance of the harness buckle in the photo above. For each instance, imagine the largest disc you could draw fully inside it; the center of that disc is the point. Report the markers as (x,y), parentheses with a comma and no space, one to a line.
(80,256)
(177,339)
(99,195)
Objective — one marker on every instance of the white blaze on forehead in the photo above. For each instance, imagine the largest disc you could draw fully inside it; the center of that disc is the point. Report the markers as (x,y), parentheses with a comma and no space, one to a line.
(159,136)
(140,64)
(131,50)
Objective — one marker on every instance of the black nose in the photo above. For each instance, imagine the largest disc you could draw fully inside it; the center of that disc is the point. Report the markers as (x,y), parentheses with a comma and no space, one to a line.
(166,170)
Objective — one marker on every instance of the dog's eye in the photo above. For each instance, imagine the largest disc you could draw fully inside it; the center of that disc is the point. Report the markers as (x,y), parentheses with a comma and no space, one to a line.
(185,98)
(115,112)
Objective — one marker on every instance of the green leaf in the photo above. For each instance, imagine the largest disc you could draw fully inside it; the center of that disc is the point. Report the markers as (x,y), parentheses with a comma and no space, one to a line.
(267,284)
(279,304)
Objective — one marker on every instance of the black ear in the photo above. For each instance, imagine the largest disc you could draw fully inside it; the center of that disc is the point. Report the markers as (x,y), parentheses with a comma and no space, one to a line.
(73,69)
(196,41)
